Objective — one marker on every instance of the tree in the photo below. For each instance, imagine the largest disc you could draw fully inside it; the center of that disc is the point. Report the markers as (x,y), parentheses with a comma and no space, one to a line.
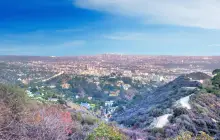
(179,111)
(33,90)
(216,81)
(61,101)
(216,71)
(105,132)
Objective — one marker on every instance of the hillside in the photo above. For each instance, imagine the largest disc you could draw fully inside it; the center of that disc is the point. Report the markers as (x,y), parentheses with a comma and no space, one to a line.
(179,106)
(31,119)
(198,76)
(159,102)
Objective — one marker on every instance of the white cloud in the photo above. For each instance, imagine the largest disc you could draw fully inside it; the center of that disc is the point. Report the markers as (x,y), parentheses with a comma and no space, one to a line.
(214,45)
(128,36)
(194,13)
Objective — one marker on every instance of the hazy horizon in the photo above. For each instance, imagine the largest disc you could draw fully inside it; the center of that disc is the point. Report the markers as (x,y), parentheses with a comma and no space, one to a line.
(111,54)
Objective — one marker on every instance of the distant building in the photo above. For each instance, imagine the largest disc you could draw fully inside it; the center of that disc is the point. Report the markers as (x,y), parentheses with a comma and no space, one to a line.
(162,78)
(127,73)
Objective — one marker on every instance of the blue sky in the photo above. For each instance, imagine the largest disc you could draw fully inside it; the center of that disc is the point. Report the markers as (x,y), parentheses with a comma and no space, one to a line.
(88,27)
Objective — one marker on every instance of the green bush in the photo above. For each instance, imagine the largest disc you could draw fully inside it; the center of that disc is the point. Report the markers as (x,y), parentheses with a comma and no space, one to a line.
(105,132)
(216,71)
(158,130)
(156,112)
(90,120)
(84,119)
(179,111)
(216,81)
(217,93)
(61,101)
(77,116)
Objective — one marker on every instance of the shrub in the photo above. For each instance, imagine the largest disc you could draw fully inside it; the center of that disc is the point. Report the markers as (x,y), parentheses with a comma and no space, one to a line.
(156,131)
(216,71)
(216,81)
(189,136)
(105,132)
(217,93)
(120,109)
(90,120)
(15,99)
(184,136)
(179,111)
(19,119)
(156,112)
(203,136)
(77,116)
(61,101)
(49,123)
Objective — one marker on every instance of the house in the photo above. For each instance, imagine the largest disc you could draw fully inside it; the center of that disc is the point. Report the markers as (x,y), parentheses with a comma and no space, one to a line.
(109,103)
(30,94)
(97,83)
(114,93)
(126,86)
(86,105)
(65,86)
(201,81)
(53,99)
(52,86)
(89,98)
(37,93)
(25,81)
(119,83)
(77,96)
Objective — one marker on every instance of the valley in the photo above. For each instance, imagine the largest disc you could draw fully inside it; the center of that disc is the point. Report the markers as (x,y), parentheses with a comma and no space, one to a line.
(151,102)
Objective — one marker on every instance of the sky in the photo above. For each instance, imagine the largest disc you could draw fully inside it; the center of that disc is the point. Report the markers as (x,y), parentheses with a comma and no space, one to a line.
(90,27)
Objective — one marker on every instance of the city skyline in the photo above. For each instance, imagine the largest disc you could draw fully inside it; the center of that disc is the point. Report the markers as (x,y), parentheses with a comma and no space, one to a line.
(91,27)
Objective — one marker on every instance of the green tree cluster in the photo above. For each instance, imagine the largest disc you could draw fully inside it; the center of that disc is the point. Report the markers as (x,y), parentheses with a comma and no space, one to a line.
(216,81)
(105,132)
(216,71)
